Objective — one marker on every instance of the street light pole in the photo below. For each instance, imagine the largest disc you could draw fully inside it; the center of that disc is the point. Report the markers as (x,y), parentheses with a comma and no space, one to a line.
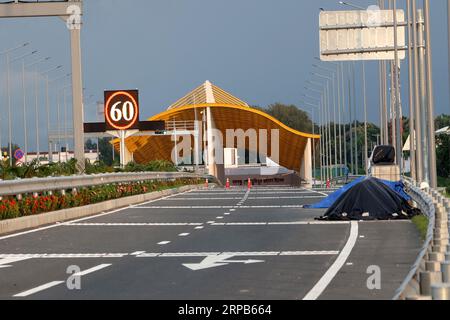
(8,86)
(412,145)
(24,101)
(431,124)
(366,151)
(398,120)
(36,105)
(46,74)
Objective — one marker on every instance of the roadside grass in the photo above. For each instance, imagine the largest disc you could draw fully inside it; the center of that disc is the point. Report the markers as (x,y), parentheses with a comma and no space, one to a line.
(421,223)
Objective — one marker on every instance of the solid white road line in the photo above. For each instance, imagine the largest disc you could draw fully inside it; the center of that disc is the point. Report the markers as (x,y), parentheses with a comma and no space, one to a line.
(276,198)
(63,256)
(239,254)
(224,207)
(134,224)
(294,223)
(38,289)
(323,283)
(185,207)
(196,199)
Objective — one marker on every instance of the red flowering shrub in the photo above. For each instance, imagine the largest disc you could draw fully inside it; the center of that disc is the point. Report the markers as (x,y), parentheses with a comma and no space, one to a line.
(11,208)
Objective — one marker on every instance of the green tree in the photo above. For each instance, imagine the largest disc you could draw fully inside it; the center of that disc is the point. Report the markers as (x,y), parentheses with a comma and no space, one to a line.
(290,115)
(443,148)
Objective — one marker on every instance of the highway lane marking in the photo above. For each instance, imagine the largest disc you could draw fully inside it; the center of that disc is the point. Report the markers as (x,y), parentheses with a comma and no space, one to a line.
(275,198)
(137,253)
(184,234)
(199,228)
(63,256)
(217,261)
(323,283)
(6,262)
(232,208)
(294,223)
(162,243)
(185,207)
(56,283)
(195,199)
(82,219)
(239,254)
(38,289)
(134,224)
(322,193)
(91,270)
(227,213)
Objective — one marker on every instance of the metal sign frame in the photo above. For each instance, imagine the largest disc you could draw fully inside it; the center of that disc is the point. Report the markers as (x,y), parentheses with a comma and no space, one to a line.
(361,35)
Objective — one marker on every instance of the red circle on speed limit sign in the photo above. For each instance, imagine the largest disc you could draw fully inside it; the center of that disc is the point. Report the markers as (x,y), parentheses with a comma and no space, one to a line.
(122,109)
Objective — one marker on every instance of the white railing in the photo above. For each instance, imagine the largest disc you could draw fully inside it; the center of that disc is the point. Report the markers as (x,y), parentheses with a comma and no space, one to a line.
(430,275)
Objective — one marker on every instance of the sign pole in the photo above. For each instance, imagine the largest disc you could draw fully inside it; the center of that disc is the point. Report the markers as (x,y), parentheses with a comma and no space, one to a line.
(122,148)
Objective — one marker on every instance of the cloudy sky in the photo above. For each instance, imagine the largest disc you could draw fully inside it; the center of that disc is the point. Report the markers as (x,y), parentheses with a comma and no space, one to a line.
(259,50)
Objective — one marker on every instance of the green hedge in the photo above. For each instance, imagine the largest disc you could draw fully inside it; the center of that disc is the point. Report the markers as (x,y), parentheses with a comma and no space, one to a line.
(34,169)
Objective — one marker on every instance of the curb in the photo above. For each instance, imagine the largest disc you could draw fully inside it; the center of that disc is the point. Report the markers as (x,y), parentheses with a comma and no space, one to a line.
(30,222)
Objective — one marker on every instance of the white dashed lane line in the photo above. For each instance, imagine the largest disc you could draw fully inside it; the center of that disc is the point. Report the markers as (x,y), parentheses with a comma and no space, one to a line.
(56,283)
(162,243)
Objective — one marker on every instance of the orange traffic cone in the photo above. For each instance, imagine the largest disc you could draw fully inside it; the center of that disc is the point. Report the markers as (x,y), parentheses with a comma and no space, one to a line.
(249,184)
(227,184)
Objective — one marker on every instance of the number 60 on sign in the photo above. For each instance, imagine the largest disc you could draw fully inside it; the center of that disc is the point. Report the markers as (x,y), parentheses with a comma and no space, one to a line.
(122,110)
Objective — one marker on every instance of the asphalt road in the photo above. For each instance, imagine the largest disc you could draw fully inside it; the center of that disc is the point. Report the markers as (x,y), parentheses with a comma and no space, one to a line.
(209,244)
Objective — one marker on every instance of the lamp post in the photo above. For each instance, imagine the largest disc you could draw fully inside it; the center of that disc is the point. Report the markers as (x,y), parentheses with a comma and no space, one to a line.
(24,101)
(46,74)
(58,113)
(8,89)
(336,89)
(323,102)
(36,105)
(329,80)
(430,107)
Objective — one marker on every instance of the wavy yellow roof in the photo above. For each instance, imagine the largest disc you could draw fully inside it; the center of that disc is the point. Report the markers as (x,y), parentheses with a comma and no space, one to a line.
(228,112)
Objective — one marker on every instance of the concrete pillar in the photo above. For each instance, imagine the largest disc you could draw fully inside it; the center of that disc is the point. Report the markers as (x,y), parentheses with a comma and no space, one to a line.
(210,138)
(216,166)
(77,93)
(306,165)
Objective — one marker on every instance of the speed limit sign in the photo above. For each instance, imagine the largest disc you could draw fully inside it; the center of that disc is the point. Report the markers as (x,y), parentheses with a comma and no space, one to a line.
(122,109)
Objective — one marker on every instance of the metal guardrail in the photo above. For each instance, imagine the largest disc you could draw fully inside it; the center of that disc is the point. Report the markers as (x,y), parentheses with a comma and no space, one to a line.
(425,204)
(39,185)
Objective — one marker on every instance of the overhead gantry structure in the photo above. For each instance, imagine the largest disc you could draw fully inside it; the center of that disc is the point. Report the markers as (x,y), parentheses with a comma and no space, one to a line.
(70,11)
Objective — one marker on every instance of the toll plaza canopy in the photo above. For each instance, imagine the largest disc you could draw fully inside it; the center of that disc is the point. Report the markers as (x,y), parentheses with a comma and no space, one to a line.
(227,112)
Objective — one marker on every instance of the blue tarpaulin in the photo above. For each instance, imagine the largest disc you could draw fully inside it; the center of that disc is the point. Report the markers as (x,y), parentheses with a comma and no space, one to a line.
(332,198)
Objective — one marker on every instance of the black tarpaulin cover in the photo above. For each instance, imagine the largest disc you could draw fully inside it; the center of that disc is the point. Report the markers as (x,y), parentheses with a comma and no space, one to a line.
(370,200)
